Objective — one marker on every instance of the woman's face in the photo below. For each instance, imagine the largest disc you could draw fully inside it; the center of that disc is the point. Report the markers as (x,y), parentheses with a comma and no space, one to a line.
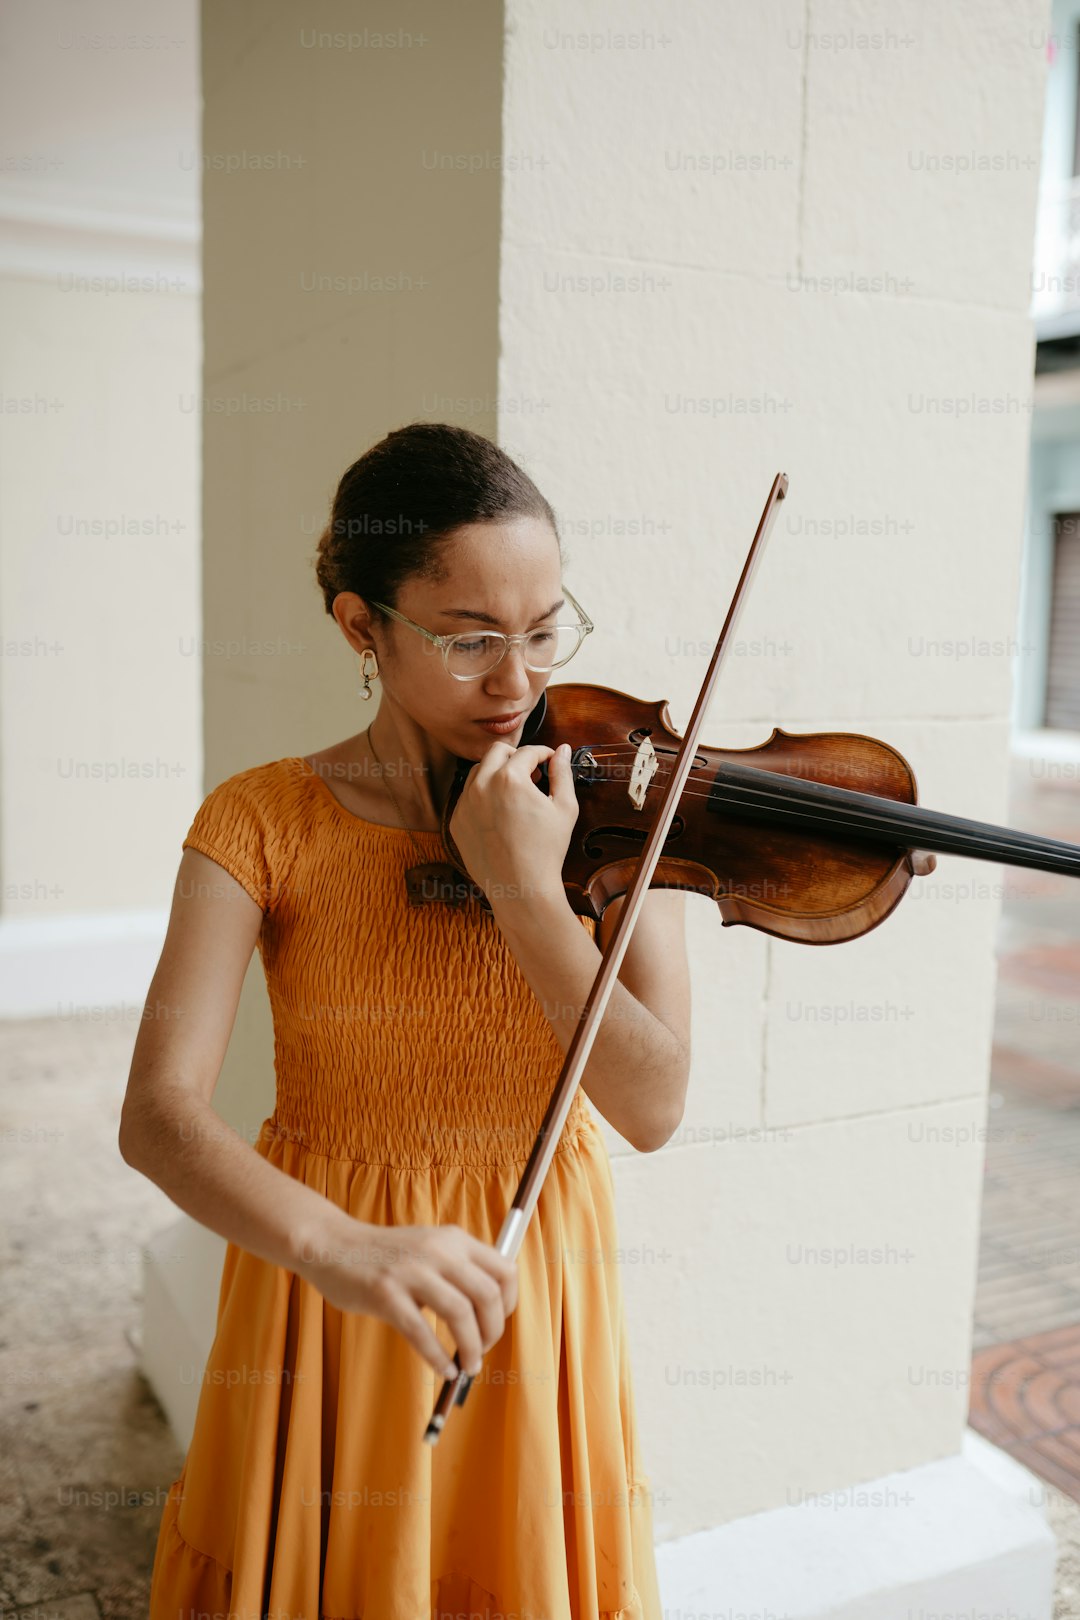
(499,576)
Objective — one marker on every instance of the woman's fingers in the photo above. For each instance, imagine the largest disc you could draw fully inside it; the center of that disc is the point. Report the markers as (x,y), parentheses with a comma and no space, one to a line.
(457,1310)
(466,1282)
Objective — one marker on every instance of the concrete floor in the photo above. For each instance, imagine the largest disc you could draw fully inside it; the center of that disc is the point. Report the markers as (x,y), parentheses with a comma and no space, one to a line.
(85,1454)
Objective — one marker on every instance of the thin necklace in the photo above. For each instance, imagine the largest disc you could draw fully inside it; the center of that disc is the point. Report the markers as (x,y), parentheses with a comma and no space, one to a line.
(430,880)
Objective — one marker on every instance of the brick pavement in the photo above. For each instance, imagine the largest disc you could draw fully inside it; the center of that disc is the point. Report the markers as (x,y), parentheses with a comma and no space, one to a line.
(1025,1392)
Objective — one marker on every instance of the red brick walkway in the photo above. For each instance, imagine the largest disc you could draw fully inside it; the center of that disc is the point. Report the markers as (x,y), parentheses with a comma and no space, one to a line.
(1025,1397)
(1025,1384)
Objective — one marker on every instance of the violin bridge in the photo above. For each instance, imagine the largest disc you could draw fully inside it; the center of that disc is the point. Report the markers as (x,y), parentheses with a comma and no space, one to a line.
(646,765)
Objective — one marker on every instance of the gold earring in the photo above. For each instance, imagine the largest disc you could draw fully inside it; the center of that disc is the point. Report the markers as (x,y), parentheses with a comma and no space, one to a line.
(365,690)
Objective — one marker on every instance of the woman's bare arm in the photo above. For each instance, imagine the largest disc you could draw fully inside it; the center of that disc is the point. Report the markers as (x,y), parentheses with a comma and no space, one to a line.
(168,1128)
(170,1132)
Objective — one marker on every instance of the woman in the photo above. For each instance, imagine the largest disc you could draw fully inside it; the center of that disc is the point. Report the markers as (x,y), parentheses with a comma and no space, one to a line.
(416,1047)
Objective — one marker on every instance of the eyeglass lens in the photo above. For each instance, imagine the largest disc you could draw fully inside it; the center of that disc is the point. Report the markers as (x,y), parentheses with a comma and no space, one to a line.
(545,649)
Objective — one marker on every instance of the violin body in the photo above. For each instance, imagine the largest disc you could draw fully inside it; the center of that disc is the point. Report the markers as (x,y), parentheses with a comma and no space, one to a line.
(809,836)
(813,887)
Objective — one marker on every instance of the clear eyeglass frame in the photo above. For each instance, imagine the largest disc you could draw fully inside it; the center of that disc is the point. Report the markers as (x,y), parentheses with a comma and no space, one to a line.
(444,643)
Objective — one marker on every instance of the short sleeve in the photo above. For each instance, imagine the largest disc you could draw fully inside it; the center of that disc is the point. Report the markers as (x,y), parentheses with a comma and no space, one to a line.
(230,827)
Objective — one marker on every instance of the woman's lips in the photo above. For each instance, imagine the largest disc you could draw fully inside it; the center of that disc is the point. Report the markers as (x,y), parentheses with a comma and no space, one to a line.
(502,725)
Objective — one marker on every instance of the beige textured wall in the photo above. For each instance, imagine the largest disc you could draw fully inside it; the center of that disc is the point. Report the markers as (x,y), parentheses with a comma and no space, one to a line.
(99,597)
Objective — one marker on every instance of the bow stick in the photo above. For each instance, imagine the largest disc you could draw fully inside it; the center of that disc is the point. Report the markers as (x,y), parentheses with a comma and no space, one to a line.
(455,1389)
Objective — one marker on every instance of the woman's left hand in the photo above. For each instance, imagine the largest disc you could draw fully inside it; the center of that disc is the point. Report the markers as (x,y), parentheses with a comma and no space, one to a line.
(511,836)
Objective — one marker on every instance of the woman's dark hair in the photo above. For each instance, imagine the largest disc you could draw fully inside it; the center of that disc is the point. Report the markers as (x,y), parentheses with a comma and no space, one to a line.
(397,505)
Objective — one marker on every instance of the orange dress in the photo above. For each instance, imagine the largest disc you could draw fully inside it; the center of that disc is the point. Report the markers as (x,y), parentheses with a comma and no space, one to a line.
(413,1065)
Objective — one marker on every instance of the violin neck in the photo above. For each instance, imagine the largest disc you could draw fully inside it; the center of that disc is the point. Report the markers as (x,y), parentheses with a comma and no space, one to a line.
(756,795)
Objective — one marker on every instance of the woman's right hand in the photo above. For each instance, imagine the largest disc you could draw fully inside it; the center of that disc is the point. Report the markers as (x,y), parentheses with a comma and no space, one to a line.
(393,1272)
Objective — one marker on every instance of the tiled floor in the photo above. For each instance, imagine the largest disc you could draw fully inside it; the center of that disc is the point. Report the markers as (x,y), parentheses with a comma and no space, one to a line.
(1029,1261)
(1028,1398)
(1025,1390)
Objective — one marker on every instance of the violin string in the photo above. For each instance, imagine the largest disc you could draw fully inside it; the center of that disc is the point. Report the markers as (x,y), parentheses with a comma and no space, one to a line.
(772,801)
(1066,856)
(778,801)
(778,805)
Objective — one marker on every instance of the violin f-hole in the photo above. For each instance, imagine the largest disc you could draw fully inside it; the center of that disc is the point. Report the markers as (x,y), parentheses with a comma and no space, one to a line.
(595,849)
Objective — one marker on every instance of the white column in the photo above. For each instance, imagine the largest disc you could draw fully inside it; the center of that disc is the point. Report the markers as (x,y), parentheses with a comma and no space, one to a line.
(350,286)
(739,239)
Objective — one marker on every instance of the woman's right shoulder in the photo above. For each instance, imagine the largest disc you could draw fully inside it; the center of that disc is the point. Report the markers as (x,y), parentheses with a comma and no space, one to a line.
(247,824)
(276,778)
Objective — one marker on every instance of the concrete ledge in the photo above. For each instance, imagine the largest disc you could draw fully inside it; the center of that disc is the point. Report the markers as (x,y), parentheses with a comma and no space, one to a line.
(1053,755)
(79,966)
(181,1284)
(958,1539)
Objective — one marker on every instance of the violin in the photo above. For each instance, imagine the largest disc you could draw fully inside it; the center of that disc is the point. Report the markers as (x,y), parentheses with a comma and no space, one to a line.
(809,836)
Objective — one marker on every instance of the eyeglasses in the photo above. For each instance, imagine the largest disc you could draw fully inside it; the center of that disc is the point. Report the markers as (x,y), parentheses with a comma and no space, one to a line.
(468,656)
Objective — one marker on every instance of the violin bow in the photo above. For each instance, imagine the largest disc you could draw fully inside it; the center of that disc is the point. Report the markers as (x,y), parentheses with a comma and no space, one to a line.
(455,1389)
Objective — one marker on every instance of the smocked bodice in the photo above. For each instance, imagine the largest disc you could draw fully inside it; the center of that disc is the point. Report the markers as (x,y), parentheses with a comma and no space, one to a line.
(403,1035)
